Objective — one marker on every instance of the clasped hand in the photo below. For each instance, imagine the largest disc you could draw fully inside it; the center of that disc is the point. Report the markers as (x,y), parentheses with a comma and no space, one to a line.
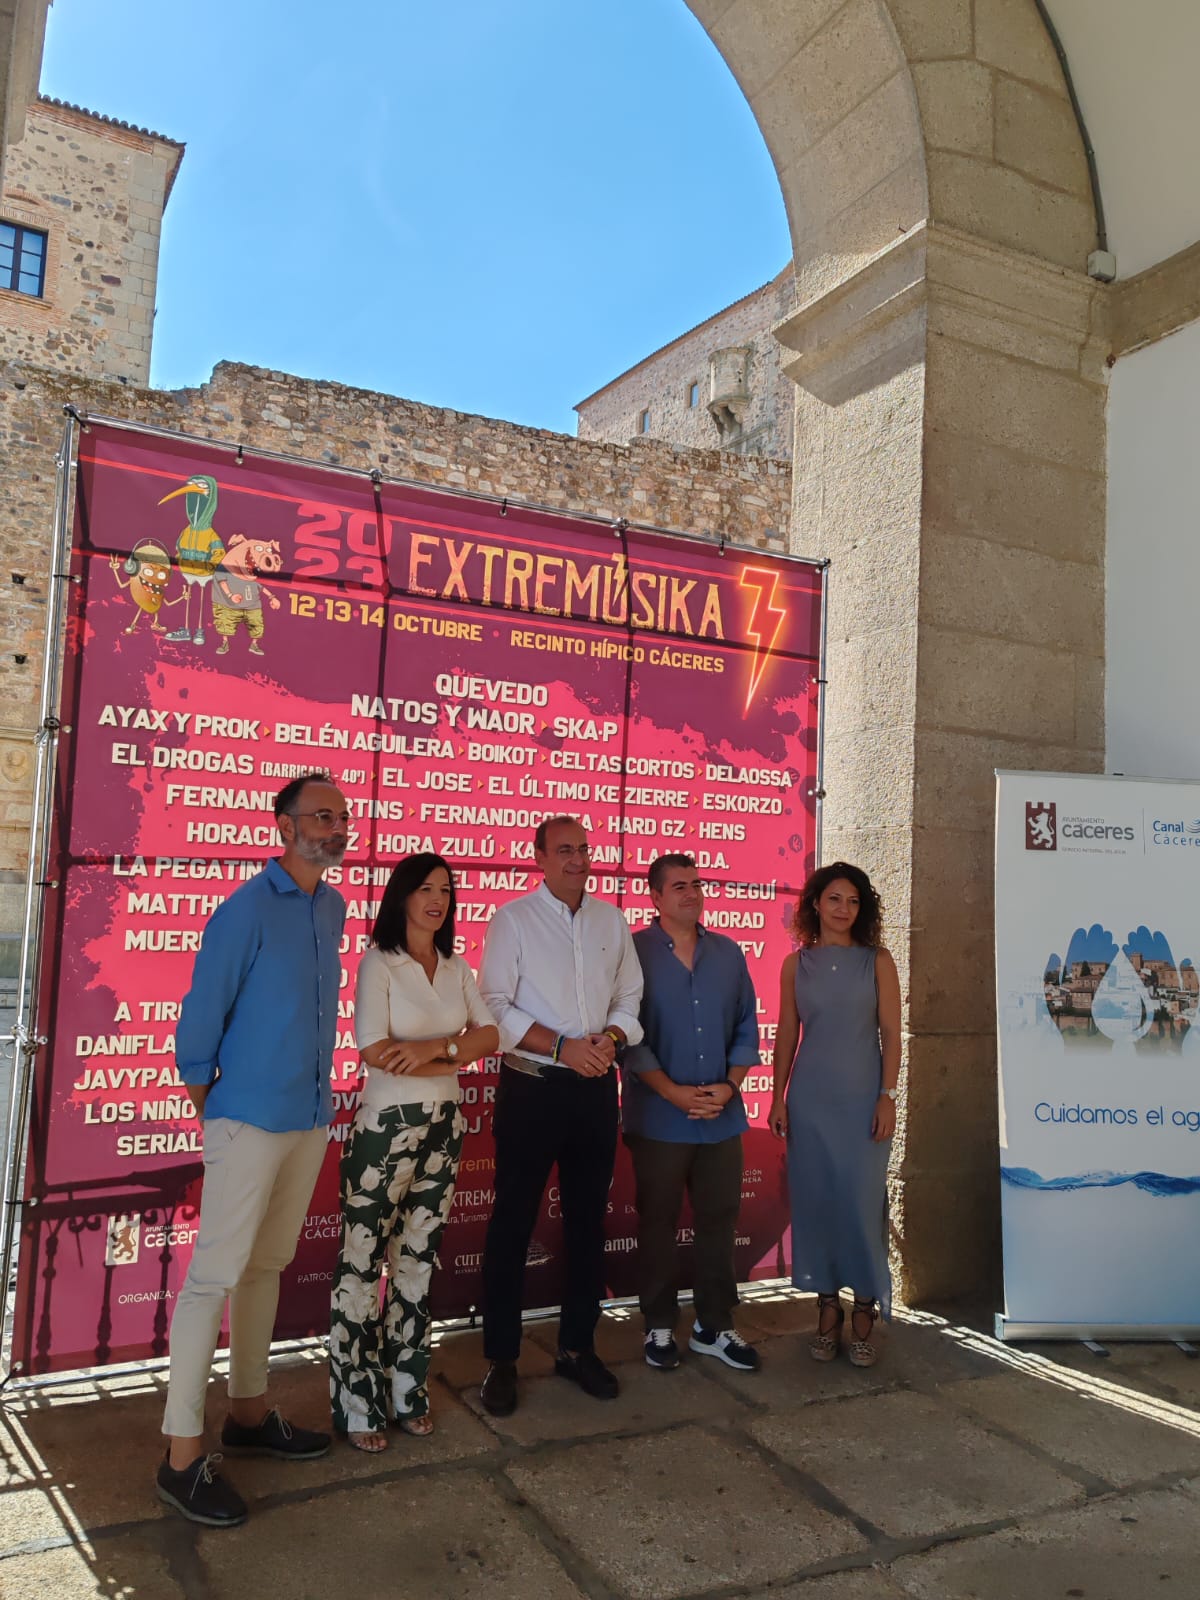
(703,1101)
(398,1056)
(590,1057)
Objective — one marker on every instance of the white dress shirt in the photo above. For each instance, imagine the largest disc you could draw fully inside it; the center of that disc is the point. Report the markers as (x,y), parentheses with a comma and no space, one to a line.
(395,1000)
(575,974)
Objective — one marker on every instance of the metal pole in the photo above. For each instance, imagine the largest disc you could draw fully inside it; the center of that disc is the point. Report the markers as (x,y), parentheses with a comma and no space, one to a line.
(27,1042)
(822,653)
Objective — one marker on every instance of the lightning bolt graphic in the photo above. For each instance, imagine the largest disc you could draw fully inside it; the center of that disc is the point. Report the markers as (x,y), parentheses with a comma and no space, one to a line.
(765,622)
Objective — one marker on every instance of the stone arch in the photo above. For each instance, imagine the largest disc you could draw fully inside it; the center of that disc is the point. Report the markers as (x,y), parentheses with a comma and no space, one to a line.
(947,348)
(882,114)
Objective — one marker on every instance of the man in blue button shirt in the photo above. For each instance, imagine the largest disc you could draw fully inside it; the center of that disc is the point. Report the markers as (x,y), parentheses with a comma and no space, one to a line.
(254,1046)
(683,1114)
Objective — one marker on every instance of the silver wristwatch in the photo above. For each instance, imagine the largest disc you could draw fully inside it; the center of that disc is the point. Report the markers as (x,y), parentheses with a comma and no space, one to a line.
(891,1093)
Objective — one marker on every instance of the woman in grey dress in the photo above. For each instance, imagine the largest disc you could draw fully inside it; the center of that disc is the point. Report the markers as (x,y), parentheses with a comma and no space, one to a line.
(835,1103)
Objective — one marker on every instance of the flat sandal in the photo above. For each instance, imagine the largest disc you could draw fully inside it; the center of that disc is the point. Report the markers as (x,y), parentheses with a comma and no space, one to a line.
(825,1346)
(862,1352)
(416,1427)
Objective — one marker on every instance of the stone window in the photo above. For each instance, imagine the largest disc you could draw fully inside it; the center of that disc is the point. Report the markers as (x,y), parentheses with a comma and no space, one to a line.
(22,259)
(644,422)
(693,394)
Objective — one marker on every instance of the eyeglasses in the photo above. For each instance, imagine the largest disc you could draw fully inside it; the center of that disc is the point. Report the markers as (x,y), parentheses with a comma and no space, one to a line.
(323,819)
(566,851)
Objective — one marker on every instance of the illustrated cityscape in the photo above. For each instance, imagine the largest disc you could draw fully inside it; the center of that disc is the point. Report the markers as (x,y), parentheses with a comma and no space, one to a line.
(1137,993)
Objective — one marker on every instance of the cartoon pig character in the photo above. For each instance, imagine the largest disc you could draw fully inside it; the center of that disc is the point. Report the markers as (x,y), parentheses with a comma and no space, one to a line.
(237,592)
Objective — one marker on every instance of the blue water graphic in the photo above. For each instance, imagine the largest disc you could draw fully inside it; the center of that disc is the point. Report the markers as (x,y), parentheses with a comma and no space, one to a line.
(1155,1183)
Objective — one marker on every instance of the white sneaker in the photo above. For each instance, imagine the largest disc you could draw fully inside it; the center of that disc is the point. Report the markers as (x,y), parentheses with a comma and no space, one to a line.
(728,1346)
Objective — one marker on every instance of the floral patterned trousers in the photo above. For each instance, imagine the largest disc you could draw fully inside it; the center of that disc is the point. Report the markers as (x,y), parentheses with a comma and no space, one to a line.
(398,1172)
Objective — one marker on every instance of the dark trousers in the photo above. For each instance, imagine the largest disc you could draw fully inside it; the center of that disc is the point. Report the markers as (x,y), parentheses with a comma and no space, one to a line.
(712,1176)
(568,1121)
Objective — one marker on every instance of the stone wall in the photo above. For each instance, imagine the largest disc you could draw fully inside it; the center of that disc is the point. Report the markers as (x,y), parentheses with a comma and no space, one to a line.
(662,384)
(97,190)
(747,500)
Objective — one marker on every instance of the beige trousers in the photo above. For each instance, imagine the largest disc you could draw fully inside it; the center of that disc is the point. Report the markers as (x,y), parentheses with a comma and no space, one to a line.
(257,1187)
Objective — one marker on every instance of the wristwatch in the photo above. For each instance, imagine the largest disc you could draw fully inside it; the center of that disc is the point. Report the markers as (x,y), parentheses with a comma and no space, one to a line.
(451,1050)
(891,1094)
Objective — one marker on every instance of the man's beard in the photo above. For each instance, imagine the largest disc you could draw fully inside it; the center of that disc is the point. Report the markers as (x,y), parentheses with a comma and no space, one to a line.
(321,852)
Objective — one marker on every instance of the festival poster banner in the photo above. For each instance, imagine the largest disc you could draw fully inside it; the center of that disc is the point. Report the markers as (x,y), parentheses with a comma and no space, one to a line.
(1097,935)
(463,668)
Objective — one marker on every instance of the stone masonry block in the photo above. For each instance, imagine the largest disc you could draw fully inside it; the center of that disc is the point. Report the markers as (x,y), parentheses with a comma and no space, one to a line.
(872,141)
(1037,132)
(987,490)
(1047,415)
(1006,207)
(995,686)
(956,105)
(1010,35)
(932,30)
(988,588)
(758,37)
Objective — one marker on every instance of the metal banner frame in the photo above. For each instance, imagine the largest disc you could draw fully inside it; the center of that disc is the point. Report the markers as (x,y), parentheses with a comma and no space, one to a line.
(28,1040)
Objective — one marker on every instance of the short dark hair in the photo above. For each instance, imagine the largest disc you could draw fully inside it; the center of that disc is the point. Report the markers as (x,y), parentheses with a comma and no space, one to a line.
(867,929)
(658,868)
(391,925)
(290,793)
(539,838)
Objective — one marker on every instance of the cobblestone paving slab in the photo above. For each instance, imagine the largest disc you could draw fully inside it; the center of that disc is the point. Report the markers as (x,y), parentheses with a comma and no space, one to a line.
(1141,1548)
(444,1535)
(680,1513)
(914,1465)
(1118,1436)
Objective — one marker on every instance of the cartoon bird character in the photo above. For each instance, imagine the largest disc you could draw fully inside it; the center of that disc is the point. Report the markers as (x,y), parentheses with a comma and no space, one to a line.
(149,568)
(236,589)
(198,549)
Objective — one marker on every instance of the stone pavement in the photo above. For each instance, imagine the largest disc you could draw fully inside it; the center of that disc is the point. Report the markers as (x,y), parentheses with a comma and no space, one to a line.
(957,1468)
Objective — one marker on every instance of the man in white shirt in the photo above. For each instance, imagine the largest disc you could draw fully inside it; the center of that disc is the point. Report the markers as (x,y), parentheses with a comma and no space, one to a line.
(562,979)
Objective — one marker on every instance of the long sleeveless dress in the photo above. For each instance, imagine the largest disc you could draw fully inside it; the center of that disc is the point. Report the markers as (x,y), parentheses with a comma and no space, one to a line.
(837,1174)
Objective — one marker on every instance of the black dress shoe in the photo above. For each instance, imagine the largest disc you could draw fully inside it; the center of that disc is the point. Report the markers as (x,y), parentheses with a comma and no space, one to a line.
(498,1392)
(200,1493)
(589,1372)
(274,1436)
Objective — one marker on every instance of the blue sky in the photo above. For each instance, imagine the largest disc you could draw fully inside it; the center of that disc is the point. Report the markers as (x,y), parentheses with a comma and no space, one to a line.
(492,207)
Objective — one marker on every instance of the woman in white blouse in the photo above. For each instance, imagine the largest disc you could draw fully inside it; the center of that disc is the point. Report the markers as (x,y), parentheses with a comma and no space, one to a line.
(418,1018)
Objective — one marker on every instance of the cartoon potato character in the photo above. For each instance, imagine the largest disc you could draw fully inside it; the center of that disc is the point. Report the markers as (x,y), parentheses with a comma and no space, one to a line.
(236,590)
(149,569)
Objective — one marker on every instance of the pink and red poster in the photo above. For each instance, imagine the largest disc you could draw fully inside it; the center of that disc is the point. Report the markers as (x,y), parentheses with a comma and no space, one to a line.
(462,668)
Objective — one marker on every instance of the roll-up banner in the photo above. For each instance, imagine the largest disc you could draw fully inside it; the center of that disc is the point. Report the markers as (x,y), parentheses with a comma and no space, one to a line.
(1097,938)
(463,667)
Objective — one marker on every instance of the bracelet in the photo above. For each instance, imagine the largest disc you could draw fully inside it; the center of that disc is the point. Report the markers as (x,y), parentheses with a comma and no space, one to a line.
(615,1037)
(558,1044)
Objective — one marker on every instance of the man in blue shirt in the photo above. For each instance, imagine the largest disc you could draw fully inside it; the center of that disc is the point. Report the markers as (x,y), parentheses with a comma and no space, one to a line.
(683,1115)
(254,1046)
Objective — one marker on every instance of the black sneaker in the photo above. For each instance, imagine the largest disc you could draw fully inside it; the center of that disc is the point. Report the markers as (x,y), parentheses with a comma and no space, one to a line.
(589,1372)
(728,1346)
(274,1436)
(498,1391)
(661,1350)
(200,1493)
